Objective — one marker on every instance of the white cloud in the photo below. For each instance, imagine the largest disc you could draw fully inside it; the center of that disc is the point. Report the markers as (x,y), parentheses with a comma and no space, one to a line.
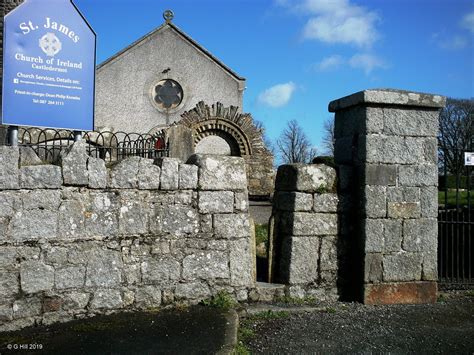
(468,21)
(278,95)
(449,42)
(339,21)
(456,42)
(330,63)
(367,62)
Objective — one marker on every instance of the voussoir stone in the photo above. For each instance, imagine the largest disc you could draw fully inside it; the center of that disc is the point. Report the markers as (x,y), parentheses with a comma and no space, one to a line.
(305,178)
(218,172)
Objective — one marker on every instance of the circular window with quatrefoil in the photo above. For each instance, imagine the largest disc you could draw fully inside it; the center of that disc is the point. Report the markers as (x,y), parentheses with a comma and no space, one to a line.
(167,95)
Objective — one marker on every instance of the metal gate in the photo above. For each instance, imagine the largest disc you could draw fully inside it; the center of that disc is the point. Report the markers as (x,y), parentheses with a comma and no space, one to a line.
(455,220)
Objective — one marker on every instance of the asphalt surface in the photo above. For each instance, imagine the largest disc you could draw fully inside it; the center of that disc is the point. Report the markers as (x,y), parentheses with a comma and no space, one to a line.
(196,330)
(446,327)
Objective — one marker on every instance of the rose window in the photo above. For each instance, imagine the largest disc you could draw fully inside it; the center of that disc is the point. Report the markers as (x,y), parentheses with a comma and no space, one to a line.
(168,94)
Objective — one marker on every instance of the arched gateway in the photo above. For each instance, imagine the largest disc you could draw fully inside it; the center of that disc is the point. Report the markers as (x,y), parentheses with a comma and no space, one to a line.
(224,130)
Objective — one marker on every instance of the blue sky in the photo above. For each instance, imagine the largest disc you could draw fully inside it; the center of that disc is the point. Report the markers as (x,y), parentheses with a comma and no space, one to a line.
(298,55)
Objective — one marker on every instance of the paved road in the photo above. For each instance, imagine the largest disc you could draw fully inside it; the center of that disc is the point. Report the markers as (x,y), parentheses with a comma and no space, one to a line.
(445,327)
(197,330)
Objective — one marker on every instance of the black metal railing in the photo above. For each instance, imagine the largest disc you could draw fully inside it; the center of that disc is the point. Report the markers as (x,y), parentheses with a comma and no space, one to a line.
(106,145)
(456,221)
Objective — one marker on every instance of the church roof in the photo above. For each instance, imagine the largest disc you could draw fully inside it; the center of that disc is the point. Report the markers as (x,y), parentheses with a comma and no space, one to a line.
(185,37)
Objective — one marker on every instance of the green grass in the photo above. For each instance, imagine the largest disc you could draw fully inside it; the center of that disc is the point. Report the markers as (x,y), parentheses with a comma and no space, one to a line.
(261,233)
(261,236)
(248,325)
(221,300)
(451,198)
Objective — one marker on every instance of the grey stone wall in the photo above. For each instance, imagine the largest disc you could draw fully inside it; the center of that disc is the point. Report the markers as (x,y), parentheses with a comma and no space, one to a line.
(5,7)
(305,209)
(386,152)
(82,239)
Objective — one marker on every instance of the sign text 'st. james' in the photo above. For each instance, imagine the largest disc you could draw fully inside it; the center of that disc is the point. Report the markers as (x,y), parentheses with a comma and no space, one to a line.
(27,27)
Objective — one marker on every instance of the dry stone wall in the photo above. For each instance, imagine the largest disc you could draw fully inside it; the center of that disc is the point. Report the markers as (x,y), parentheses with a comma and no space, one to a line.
(81,238)
(386,152)
(305,209)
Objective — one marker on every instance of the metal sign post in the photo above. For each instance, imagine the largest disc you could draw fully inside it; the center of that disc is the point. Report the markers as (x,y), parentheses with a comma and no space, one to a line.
(48,66)
(13,136)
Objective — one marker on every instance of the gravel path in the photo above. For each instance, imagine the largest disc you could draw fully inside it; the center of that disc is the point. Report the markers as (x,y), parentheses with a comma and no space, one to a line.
(445,327)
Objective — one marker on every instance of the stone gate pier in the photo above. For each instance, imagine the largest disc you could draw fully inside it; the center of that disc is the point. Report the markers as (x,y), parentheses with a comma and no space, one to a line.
(386,154)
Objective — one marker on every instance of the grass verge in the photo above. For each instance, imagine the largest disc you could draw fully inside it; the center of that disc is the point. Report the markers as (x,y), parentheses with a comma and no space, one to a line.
(222,300)
(248,326)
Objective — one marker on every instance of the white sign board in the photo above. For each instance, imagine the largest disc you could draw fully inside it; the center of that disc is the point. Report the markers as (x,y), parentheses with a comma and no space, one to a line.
(469,159)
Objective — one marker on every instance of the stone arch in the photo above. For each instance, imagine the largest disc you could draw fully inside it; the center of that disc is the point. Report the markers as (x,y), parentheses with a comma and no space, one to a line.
(243,136)
(225,122)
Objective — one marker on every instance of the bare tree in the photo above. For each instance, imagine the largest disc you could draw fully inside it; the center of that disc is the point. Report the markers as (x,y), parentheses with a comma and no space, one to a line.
(266,140)
(456,133)
(328,138)
(294,146)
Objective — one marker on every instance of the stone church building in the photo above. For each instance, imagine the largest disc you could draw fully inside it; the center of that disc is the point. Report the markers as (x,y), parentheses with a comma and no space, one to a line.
(152,82)
(167,79)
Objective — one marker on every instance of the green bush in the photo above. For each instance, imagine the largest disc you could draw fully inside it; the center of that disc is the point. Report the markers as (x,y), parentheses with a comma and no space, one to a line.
(220,300)
(261,233)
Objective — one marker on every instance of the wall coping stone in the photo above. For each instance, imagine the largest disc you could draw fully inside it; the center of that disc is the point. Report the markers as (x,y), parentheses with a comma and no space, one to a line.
(388,97)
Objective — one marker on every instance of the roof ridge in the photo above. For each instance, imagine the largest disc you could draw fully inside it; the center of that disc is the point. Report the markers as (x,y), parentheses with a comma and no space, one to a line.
(182,34)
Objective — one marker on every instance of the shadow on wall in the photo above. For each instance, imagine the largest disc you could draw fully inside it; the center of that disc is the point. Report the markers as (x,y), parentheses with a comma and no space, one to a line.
(304,246)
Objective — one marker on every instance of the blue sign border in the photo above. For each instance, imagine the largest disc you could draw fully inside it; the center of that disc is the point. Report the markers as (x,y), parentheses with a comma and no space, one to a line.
(4,65)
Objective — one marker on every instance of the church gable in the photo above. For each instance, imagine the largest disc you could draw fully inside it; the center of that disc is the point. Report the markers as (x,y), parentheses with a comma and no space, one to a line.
(170,32)
(152,82)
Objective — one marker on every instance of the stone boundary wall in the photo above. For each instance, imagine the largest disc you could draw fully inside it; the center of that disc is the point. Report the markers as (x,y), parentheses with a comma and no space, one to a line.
(5,7)
(386,155)
(305,243)
(81,239)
